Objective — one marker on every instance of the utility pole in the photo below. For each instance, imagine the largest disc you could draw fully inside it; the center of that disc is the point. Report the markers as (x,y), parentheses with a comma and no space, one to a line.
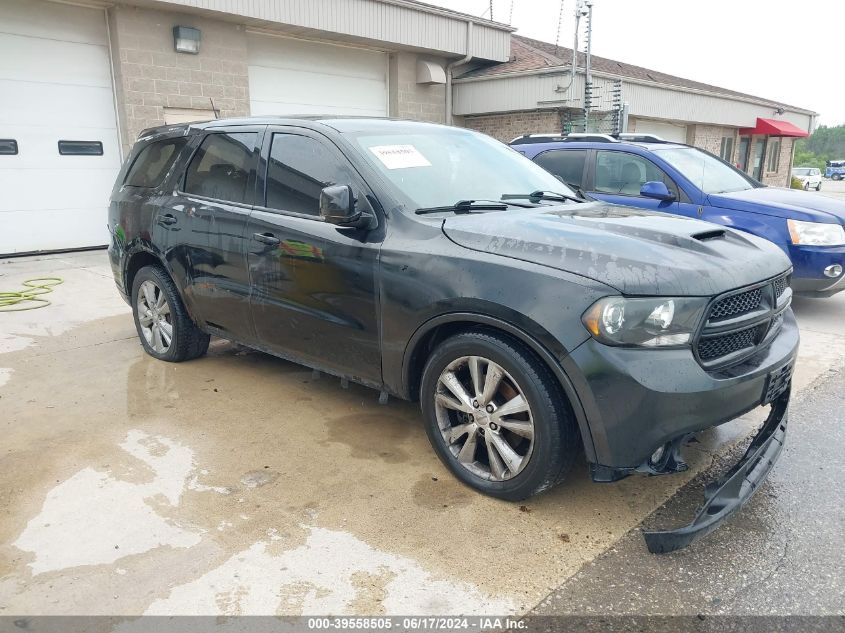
(580,11)
(588,77)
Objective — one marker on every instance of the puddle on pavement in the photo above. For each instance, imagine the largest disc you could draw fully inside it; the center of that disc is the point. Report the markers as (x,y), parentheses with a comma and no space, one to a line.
(223,479)
(377,435)
(94,518)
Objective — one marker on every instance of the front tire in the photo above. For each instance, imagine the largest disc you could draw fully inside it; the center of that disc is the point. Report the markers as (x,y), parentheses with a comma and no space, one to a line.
(819,187)
(163,325)
(496,416)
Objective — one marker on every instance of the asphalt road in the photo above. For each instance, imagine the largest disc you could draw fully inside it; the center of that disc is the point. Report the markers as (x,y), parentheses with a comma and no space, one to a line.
(833,188)
(783,554)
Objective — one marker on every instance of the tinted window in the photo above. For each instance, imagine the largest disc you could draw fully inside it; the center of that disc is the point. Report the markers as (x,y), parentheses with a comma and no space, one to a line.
(430,166)
(222,167)
(80,148)
(8,146)
(154,162)
(299,168)
(568,164)
(625,174)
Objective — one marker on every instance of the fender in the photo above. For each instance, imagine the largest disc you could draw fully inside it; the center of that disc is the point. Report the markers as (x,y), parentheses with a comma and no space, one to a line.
(139,246)
(533,343)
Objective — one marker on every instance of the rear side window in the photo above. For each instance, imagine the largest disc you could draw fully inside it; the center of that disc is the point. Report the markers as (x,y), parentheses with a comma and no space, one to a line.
(299,168)
(222,167)
(568,164)
(153,162)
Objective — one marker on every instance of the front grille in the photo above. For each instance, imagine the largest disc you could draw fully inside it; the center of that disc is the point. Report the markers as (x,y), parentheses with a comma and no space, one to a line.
(736,305)
(718,346)
(742,321)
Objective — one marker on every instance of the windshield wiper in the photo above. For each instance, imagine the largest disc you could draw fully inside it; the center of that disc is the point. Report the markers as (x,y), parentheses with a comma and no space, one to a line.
(536,196)
(466,206)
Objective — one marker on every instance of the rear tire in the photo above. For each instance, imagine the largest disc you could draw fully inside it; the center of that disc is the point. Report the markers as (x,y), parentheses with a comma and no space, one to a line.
(163,325)
(819,187)
(807,186)
(510,439)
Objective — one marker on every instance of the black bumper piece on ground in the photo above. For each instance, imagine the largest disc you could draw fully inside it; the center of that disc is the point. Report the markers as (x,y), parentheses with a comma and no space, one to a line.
(726,495)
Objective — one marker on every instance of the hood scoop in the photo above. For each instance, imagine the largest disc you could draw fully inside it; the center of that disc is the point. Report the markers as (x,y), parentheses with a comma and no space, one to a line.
(704,236)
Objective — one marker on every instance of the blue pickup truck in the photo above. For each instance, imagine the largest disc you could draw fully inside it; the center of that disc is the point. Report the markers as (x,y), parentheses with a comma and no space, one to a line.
(834,169)
(653,174)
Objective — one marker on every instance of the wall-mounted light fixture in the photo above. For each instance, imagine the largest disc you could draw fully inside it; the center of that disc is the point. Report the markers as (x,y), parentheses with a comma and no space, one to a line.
(186,39)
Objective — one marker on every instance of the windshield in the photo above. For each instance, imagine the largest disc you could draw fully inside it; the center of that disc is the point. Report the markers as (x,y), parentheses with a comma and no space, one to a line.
(438,166)
(836,163)
(801,172)
(706,172)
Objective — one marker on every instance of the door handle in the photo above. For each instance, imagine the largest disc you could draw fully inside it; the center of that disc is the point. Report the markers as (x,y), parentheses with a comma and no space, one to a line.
(267,238)
(167,219)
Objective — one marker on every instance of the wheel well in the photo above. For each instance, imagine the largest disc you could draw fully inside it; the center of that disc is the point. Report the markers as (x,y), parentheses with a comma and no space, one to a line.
(136,263)
(440,333)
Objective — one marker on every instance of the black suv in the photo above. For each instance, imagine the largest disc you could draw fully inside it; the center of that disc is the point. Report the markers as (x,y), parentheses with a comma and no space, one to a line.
(435,263)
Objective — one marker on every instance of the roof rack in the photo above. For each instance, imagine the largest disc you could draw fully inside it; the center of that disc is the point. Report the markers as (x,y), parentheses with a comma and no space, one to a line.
(538,138)
(526,139)
(593,137)
(642,138)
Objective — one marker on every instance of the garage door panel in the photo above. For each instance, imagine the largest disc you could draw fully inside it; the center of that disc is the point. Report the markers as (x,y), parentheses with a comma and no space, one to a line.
(305,93)
(54,21)
(34,59)
(288,76)
(41,189)
(315,57)
(55,84)
(38,148)
(667,131)
(54,106)
(24,231)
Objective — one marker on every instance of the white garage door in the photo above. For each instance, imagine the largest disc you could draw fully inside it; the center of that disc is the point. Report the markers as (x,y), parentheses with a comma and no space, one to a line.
(55,85)
(666,131)
(289,76)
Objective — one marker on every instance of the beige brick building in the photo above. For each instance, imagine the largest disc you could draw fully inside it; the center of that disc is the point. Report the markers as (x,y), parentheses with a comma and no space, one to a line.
(533,92)
(88,76)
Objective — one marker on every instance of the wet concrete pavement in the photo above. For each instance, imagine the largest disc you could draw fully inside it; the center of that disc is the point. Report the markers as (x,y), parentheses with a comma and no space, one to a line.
(783,554)
(238,484)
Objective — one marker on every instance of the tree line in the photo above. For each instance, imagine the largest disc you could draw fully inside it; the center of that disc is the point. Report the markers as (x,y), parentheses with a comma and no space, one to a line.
(826,143)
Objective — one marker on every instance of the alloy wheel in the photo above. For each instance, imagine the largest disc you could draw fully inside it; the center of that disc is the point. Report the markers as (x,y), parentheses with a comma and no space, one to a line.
(484,418)
(154,317)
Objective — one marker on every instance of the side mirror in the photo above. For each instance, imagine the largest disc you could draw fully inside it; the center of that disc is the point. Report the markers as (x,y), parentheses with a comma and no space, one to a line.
(657,190)
(338,206)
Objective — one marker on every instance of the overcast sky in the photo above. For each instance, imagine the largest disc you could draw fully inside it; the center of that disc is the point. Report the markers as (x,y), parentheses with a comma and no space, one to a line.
(788,51)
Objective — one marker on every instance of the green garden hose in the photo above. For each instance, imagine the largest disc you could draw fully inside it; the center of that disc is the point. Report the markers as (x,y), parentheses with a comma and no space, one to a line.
(29,299)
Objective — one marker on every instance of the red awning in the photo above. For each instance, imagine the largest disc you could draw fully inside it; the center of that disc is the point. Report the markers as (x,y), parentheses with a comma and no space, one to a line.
(773,127)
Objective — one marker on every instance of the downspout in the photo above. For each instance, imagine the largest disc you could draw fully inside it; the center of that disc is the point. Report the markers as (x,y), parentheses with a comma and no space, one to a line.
(452,65)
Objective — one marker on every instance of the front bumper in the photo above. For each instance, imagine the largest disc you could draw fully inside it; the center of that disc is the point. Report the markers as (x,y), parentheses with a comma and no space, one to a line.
(729,493)
(638,400)
(809,263)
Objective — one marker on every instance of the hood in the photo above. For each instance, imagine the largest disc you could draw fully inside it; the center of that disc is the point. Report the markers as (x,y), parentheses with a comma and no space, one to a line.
(783,203)
(636,252)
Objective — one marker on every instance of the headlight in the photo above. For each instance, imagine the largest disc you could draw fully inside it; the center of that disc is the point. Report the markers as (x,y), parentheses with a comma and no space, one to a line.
(649,322)
(815,233)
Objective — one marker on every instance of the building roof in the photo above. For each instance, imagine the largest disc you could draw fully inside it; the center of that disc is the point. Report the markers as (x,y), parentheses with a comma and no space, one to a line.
(530,55)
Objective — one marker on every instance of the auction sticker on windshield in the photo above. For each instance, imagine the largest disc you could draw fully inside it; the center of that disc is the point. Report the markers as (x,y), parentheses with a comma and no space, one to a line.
(400,156)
